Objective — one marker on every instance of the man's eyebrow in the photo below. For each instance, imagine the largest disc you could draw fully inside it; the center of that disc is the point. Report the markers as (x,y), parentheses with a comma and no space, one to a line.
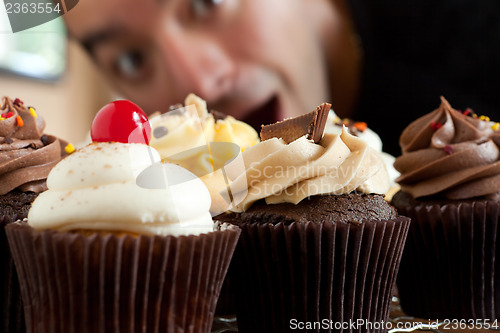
(90,41)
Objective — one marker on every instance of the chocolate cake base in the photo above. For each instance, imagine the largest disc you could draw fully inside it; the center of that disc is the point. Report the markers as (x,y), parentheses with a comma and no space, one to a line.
(449,267)
(352,207)
(14,206)
(330,260)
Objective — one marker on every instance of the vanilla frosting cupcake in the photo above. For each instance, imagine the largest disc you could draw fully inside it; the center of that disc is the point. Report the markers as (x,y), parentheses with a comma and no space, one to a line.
(316,230)
(126,236)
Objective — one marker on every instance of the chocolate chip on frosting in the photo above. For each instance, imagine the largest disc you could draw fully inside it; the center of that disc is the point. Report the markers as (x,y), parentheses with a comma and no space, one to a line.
(45,139)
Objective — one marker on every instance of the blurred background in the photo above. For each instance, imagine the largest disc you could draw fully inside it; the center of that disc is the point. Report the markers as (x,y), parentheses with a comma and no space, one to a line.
(45,70)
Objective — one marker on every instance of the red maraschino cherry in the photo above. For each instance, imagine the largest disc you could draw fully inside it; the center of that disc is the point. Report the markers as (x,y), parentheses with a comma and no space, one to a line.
(121,121)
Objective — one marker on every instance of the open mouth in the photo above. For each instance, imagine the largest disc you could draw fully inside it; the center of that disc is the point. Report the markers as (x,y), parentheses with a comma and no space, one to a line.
(267,113)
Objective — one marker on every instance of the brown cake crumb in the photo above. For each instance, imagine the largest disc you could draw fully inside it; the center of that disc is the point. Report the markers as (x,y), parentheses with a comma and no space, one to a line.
(15,205)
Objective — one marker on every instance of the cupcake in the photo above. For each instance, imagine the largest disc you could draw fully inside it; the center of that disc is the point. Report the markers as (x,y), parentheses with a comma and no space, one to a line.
(320,247)
(120,241)
(202,142)
(26,157)
(450,172)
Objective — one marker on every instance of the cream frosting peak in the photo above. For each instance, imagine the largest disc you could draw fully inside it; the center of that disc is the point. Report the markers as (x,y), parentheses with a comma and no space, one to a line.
(108,186)
(280,172)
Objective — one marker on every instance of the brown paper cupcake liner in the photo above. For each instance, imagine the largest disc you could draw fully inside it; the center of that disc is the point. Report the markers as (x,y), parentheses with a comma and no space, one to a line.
(225,304)
(11,307)
(316,272)
(449,267)
(72,282)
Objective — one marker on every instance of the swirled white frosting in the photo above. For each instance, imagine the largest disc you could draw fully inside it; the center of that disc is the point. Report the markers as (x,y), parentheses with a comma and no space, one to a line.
(122,187)
(280,172)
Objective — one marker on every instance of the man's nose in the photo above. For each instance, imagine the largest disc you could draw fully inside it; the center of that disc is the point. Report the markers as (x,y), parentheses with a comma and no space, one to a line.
(198,63)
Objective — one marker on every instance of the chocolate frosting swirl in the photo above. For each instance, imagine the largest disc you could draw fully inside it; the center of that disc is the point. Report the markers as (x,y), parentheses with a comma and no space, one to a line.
(450,155)
(26,155)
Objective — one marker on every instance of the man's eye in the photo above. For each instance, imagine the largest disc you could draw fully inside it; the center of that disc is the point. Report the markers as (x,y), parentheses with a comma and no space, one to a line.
(203,7)
(131,64)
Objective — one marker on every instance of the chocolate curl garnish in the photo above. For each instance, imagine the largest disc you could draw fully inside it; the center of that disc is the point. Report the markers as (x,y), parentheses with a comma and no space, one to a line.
(311,124)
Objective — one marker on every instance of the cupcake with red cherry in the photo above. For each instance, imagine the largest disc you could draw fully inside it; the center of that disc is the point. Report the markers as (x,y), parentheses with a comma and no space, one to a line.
(121,241)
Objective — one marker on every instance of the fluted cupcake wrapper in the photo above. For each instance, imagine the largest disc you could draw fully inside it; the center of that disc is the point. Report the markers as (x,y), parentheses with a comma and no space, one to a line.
(316,272)
(72,282)
(226,304)
(11,307)
(449,267)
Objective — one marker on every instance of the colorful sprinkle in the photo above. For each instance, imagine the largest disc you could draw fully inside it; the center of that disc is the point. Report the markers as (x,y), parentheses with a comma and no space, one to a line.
(448,149)
(33,112)
(485,118)
(360,126)
(17,102)
(435,126)
(495,126)
(468,112)
(7,115)
(69,148)
(20,121)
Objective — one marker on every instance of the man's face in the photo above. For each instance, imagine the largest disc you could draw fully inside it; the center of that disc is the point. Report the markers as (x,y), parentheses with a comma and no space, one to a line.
(258,60)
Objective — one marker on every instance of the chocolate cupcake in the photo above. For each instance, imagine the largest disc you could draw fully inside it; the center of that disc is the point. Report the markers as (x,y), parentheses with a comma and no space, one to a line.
(112,245)
(26,157)
(319,244)
(450,181)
